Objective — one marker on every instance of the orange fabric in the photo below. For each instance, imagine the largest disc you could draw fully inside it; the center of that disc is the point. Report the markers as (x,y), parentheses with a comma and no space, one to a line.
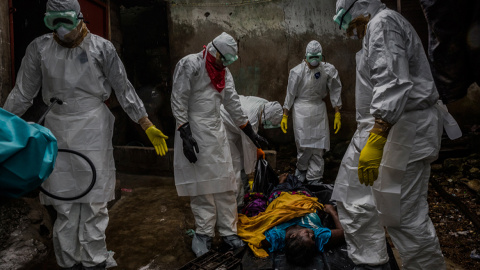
(260,153)
(282,209)
(243,126)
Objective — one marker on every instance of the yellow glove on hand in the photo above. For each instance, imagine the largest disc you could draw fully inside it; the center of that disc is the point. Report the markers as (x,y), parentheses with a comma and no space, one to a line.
(284,123)
(337,123)
(158,140)
(370,159)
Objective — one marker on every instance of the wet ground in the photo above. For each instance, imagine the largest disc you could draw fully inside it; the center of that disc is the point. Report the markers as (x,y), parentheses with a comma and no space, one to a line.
(149,224)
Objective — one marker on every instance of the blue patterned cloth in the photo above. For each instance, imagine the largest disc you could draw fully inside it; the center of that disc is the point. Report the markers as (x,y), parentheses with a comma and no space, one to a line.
(276,235)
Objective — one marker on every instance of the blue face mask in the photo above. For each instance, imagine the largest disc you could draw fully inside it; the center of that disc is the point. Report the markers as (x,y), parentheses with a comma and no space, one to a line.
(343,17)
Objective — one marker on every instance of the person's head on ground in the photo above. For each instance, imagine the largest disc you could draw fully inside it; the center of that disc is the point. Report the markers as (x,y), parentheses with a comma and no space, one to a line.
(224,48)
(272,115)
(299,245)
(313,54)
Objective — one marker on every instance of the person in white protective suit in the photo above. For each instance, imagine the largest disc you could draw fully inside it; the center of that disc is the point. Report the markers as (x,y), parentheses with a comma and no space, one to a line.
(308,84)
(383,177)
(260,113)
(80,69)
(201,83)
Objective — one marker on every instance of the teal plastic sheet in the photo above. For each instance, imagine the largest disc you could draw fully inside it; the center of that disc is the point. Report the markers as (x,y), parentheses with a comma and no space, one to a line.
(27,155)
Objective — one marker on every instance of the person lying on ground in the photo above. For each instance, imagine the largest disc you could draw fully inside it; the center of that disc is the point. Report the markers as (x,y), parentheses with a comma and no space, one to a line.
(291,223)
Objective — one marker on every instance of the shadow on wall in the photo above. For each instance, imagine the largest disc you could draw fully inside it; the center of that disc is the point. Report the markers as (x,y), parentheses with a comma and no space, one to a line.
(146,57)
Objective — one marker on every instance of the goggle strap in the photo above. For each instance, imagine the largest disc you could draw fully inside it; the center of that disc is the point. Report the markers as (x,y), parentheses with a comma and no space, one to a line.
(341,20)
(218,51)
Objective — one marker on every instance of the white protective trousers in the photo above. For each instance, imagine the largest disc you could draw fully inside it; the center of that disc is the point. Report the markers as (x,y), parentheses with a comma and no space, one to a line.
(415,237)
(79,234)
(218,209)
(310,160)
(393,83)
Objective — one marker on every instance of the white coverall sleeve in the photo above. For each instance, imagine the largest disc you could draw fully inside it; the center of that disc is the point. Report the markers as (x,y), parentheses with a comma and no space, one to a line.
(181,88)
(28,83)
(231,101)
(292,89)
(389,73)
(117,76)
(334,86)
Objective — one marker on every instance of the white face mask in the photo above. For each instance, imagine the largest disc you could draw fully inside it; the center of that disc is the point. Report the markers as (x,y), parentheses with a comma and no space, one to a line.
(62,31)
(314,63)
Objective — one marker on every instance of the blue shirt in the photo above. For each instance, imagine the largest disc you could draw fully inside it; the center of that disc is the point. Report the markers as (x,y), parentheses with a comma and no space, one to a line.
(276,235)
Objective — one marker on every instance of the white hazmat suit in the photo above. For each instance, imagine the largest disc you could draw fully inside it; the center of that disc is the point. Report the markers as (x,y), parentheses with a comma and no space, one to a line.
(394,84)
(83,78)
(210,181)
(243,151)
(305,91)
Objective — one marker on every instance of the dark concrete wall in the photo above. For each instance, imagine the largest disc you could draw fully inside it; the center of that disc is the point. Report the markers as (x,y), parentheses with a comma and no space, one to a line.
(5,59)
(272,37)
(146,56)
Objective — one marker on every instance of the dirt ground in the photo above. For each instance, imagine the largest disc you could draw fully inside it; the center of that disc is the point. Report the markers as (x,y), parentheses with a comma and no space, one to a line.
(149,226)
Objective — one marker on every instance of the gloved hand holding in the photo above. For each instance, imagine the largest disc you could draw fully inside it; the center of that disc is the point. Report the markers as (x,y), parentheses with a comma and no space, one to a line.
(370,159)
(260,153)
(256,139)
(337,123)
(189,143)
(158,140)
(284,123)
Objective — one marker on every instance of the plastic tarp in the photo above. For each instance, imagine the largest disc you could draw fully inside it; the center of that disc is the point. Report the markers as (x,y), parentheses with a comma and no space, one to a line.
(265,178)
(27,155)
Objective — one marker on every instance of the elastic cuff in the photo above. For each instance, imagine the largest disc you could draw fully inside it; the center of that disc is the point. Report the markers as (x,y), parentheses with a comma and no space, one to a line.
(243,126)
(381,128)
(145,123)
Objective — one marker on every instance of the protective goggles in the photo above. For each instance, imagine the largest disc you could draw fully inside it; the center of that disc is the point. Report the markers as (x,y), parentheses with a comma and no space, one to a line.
(313,57)
(56,19)
(267,124)
(343,18)
(227,59)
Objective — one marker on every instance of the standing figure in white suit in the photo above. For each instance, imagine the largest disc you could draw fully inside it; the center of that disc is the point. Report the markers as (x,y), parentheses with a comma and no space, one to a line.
(202,161)
(383,177)
(308,84)
(260,112)
(80,69)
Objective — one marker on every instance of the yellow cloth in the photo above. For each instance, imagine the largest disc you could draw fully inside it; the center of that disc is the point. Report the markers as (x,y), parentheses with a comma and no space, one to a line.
(282,209)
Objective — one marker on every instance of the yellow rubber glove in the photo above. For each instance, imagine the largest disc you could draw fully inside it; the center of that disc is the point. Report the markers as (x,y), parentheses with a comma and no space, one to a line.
(337,123)
(284,123)
(370,159)
(158,140)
